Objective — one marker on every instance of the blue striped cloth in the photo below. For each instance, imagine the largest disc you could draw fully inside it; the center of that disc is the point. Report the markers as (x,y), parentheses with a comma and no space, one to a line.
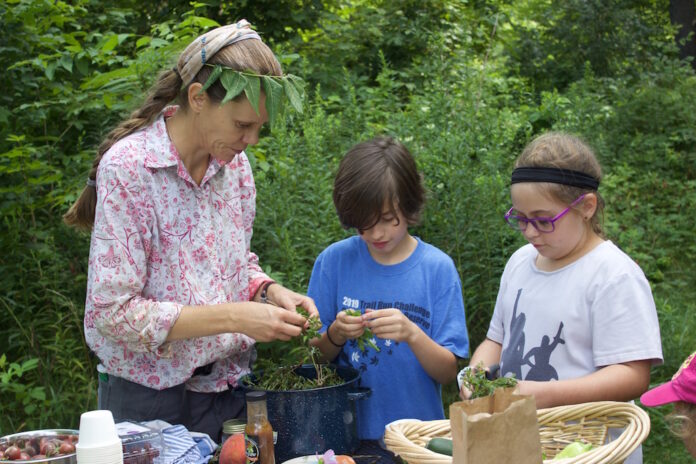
(182,446)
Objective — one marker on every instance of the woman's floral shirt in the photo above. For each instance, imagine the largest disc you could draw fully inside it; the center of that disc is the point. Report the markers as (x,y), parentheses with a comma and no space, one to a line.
(161,242)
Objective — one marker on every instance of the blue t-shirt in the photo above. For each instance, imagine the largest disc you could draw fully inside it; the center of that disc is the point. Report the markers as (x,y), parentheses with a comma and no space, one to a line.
(427,289)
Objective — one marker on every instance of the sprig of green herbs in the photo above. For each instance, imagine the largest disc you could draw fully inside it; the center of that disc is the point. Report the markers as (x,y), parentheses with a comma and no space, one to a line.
(367,335)
(480,386)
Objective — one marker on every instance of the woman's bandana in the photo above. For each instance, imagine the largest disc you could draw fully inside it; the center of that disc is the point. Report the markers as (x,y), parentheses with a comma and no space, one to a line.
(204,47)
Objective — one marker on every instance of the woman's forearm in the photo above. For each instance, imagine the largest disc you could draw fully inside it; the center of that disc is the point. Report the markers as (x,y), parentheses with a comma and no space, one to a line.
(262,322)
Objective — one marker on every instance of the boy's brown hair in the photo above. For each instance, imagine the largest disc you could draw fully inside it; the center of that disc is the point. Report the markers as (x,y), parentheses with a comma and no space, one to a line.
(374,173)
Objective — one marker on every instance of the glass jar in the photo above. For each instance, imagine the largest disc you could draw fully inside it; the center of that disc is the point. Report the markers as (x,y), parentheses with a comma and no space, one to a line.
(232,427)
(258,432)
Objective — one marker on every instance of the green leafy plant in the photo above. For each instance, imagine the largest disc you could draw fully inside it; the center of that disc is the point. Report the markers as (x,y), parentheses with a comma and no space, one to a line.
(29,398)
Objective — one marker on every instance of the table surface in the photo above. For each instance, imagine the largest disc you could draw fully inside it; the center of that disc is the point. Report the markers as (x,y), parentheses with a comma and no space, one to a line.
(370,452)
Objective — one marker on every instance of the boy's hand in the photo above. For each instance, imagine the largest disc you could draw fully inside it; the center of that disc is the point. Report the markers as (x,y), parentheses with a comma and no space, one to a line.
(391,324)
(347,327)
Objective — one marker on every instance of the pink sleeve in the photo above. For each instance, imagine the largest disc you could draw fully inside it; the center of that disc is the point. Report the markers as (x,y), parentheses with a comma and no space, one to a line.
(118,264)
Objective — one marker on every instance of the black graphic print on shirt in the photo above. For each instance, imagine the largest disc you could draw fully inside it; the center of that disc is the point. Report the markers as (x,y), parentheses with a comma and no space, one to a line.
(537,358)
(351,353)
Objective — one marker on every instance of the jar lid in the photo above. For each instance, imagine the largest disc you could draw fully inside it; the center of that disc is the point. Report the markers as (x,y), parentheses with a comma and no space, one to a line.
(255,395)
(233,426)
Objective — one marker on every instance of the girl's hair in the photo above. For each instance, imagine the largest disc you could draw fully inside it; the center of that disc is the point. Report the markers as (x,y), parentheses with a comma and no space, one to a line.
(373,173)
(565,151)
(683,421)
(245,55)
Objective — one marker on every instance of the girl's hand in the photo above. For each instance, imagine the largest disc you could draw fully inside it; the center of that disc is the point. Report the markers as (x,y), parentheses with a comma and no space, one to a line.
(465,393)
(390,323)
(347,327)
(465,389)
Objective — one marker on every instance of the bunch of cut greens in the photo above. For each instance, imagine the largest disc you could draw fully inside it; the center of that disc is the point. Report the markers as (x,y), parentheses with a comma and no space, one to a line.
(367,337)
(480,385)
(280,375)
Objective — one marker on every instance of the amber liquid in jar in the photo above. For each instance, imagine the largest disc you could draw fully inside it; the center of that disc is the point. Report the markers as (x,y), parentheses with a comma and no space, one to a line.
(258,432)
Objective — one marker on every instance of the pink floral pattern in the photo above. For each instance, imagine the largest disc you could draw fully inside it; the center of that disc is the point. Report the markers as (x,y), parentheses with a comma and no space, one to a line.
(161,242)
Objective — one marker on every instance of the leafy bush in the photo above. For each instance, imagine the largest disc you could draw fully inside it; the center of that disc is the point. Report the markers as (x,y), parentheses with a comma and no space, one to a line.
(550,45)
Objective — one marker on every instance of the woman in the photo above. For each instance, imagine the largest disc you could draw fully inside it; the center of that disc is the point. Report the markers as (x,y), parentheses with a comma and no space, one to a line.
(175,297)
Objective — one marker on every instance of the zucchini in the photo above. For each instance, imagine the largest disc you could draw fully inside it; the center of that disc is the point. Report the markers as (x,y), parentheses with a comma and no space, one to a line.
(440,445)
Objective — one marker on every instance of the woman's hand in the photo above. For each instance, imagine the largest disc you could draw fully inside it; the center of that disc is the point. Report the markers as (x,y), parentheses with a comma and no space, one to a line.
(286,298)
(265,322)
(391,324)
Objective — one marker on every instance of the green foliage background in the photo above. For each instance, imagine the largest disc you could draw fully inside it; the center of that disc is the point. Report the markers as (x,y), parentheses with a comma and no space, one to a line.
(464,84)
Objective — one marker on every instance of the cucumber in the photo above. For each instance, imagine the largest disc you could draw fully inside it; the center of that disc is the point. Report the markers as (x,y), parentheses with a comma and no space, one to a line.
(440,445)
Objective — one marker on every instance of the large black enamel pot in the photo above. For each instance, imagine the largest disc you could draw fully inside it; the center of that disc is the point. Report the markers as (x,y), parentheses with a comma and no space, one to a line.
(313,421)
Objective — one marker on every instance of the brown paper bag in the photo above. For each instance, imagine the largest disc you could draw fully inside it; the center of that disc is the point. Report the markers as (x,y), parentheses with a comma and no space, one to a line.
(498,429)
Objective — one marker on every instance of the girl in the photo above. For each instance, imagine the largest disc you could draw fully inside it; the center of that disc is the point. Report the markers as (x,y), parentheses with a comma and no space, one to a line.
(175,297)
(405,291)
(574,319)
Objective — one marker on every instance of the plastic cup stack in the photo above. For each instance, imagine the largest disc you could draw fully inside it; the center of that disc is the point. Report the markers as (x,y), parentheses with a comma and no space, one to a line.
(99,442)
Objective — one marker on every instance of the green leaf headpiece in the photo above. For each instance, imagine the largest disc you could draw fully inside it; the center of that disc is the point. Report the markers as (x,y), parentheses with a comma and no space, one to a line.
(276,89)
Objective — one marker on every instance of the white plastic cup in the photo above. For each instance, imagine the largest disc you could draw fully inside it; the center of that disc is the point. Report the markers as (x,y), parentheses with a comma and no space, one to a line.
(100,455)
(97,429)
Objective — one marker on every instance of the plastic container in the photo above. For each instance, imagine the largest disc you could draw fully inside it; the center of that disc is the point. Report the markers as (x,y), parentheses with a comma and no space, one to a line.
(141,444)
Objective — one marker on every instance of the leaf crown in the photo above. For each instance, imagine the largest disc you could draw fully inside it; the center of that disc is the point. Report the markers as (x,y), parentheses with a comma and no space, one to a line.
(275,87)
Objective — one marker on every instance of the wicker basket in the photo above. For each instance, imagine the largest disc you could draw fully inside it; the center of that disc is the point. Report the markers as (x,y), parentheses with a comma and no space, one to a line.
(558,427)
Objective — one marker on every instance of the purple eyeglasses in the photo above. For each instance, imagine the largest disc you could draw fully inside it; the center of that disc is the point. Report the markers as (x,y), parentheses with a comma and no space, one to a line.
(542,224)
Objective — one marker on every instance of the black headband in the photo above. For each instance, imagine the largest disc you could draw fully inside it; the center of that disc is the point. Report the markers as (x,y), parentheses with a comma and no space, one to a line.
(555,176)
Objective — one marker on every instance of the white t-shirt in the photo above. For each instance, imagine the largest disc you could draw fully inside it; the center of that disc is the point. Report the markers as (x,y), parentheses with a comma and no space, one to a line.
(570,322)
